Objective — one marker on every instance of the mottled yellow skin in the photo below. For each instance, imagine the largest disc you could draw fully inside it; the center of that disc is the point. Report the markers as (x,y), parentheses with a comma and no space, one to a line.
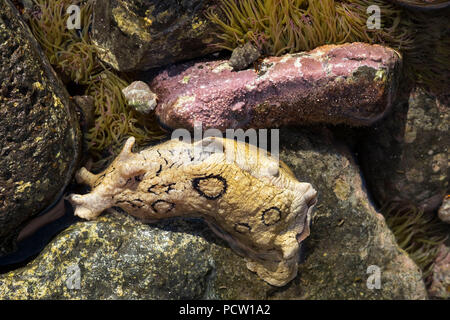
(247,197)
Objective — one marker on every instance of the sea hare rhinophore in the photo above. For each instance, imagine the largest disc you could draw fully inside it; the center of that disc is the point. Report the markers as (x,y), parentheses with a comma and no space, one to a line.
(248,198)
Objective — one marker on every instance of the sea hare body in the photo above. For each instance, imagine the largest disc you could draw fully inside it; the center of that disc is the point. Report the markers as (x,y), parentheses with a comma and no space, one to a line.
(248,197)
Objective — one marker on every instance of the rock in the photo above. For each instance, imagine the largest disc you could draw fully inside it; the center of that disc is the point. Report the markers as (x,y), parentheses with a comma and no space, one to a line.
(140,97)
(85,108)
(86,111)
(351,83)
(27,3)
(444,210)
(39,131)
(347,235)
(117,257)
(120,258)
(142,34)
(440,285)
(405,157)
(244,56)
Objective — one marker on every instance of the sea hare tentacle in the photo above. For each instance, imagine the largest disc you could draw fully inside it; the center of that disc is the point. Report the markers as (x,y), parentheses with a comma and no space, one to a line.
(248,198)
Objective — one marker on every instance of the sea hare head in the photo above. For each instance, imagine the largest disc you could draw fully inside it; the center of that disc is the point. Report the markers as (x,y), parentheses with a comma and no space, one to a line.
(249,198)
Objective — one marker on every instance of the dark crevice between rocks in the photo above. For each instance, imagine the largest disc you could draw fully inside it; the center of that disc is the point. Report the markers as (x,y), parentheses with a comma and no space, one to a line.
(27,249)
(30,247)
(352,138)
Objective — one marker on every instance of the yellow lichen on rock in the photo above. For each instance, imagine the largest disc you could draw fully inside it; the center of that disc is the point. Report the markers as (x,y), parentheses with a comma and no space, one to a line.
(135,26)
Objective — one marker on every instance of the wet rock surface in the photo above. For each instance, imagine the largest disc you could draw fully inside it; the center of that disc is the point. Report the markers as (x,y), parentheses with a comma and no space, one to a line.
(352,84)
(116,257)
(143,34)
(440,286)
(39,132)
(119,257)
(405,157)
(347,235)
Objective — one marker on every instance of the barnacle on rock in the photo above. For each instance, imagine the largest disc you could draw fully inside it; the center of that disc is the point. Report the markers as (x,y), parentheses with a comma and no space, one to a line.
(418,233)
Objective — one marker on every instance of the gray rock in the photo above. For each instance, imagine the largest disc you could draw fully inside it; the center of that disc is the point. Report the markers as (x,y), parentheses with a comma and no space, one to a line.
(405,157)
(116,257)
(143,34)
(86,112)
(121,258)
(39,131)
(440,285)
(28,4)
(347,235)
(140,97)
(244,56)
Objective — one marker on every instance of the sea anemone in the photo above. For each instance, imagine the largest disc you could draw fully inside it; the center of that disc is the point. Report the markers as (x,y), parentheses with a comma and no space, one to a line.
(114,119)
(74,57)
(286,26)
(68,50)
(418,233)
(282,26)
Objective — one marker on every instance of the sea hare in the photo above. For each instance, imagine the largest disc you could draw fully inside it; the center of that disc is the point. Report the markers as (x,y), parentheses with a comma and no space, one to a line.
(248,197)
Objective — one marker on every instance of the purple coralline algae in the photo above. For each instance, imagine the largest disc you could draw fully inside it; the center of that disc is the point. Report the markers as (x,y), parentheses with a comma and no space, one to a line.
(353,84)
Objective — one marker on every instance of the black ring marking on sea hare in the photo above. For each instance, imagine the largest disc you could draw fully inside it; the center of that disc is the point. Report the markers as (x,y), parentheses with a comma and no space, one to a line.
(172,205)
(196,186)
(242,227)
(271,213)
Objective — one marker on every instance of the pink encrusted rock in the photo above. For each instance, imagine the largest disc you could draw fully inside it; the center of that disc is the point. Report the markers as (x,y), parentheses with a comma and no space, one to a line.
(353,84)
